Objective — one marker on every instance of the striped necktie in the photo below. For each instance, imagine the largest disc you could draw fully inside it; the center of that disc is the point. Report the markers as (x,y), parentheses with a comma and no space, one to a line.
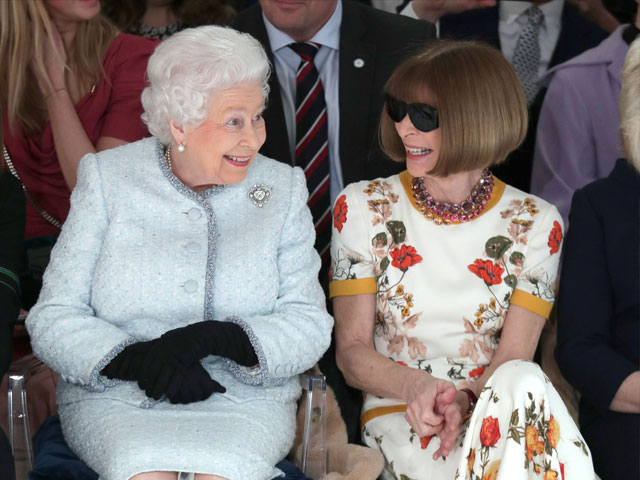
(526,56)
(312,144)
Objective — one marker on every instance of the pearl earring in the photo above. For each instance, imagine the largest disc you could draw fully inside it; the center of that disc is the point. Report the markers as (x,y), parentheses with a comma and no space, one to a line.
(181,148)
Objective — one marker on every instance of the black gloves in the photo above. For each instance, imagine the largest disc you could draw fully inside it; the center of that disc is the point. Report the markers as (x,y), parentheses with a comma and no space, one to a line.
(196,341)
(170,365)
(180,384)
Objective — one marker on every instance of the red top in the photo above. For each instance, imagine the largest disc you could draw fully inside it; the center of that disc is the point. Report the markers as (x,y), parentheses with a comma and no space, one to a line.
(111,109)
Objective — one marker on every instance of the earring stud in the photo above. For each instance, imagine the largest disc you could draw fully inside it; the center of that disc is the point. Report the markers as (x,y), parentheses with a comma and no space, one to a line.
(181,148)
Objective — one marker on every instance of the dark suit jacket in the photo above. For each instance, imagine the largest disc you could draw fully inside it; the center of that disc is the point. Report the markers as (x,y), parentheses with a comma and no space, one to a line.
(599,299)
(599,314)
(577,34)
(382,40)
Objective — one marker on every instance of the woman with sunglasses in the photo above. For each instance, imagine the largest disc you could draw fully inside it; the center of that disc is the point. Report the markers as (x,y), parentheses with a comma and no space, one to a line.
(442,278)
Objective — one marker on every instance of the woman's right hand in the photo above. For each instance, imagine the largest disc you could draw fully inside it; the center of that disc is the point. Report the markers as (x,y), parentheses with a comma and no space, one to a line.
(55,62)
(427,398)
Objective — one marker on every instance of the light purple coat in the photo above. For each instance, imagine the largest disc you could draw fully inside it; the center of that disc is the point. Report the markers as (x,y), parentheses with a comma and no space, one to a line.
(577,140)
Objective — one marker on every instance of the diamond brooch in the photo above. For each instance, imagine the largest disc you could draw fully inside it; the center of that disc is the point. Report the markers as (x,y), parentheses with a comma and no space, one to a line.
(259,195)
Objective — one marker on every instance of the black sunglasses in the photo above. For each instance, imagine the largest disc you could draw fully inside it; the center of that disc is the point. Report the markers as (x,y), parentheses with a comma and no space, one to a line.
(424,117)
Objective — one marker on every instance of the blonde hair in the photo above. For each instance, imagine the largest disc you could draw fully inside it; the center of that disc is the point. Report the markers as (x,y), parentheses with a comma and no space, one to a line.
(481,107)
(24,25)
(630,105)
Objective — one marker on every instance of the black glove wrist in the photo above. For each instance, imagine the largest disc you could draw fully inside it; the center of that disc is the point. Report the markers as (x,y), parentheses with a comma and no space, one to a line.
(225,339)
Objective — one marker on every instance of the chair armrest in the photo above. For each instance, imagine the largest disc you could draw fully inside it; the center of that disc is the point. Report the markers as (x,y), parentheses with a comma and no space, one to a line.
(314,453)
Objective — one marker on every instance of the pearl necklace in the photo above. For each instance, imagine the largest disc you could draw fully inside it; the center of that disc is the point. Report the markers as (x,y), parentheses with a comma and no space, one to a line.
(448,213)
(167,156)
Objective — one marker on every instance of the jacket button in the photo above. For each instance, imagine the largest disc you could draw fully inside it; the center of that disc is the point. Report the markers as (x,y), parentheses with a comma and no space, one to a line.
(194,214)
(193,247)
(190,286)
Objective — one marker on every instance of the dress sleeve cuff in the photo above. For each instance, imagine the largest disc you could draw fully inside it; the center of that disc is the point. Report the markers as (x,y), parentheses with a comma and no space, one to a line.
(97,381)
(258,375)
(339,288)
(531,302)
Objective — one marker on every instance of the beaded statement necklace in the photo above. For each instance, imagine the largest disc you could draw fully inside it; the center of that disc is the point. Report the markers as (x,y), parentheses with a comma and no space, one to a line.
(447,213)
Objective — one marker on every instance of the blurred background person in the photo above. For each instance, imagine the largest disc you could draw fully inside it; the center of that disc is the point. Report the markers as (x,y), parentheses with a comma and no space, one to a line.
(599,305)
(162,18)
(578,137)
(70,84)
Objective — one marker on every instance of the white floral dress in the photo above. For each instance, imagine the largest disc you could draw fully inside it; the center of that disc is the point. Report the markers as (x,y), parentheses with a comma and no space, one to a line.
(442,297)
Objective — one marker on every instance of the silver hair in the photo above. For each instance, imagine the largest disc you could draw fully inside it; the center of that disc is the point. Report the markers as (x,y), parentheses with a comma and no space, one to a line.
(189,69)
(630,105)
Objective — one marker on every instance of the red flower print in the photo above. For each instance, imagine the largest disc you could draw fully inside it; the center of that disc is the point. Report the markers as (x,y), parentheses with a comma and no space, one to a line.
(562,470)
(555,238)
(404,257)
(489,432)
(477,372)
(402,363)
(424,442)
(340,212)
(488,271)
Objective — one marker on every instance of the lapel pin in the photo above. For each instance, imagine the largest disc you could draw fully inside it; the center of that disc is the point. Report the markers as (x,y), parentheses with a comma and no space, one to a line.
(358,63)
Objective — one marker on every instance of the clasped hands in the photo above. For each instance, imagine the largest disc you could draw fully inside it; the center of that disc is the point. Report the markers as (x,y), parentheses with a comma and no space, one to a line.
(170,365)
(435,407)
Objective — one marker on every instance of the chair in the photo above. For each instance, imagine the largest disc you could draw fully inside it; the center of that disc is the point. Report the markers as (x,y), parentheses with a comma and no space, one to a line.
(314,457)
(314,453)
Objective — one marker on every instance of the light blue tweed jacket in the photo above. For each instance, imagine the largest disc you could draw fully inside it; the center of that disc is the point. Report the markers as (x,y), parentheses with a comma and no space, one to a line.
(141,254)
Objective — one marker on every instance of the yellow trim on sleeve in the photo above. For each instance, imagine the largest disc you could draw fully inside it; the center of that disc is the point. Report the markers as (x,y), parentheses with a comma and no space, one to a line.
(531,302)
(498,189)
(358,286)
(379,411)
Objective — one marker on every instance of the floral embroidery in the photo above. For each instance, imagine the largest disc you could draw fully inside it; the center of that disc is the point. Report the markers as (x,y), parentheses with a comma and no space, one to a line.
(492,471)
(404,257)
(340,212)
(554,432)
(470,460)
(519,227)
(484,332)
(555,238)
(342,265)
(394,315)
(477,372)
(488,271)
(381,207)
(489,432)
(424,441)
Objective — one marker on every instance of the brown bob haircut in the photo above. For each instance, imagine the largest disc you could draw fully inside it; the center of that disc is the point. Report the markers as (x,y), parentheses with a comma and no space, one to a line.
(482,109)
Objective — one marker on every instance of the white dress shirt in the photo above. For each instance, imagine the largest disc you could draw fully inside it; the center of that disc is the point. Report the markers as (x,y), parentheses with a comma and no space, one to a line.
(512,21)
(327,62)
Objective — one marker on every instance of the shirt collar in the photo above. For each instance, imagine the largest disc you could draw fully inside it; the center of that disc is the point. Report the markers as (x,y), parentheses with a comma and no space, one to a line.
(510,10)
(327,36)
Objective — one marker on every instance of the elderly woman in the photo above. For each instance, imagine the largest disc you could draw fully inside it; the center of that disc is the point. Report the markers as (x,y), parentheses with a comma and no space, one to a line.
(182,297)
(443,277)
(599,309)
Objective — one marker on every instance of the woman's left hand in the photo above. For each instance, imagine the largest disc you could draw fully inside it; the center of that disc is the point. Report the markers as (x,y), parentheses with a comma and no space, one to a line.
(453,415)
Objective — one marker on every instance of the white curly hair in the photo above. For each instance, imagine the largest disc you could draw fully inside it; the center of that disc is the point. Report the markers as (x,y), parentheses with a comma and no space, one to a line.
(630,105)
(189,69)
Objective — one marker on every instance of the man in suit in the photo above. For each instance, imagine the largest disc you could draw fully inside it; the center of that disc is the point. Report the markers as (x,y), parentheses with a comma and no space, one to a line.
(563,34)
(366,45)
(359,47)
